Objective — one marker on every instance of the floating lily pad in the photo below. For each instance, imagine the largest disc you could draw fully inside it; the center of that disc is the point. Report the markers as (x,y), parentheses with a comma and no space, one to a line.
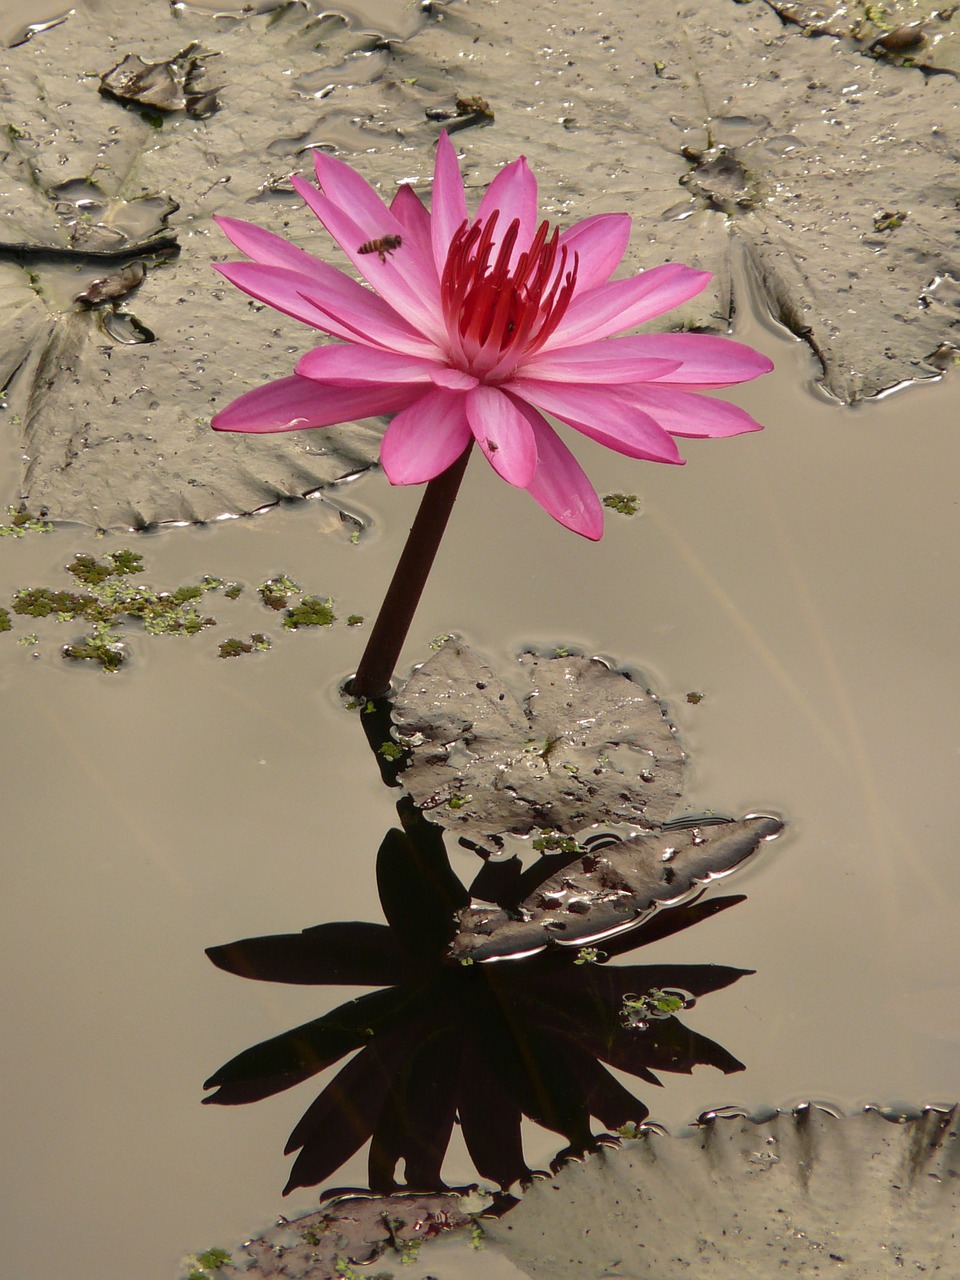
(721,130)
(585,745)
(613,887)
(352,1231)
(724,130)
(908,32)
(118,341)
(805,1192)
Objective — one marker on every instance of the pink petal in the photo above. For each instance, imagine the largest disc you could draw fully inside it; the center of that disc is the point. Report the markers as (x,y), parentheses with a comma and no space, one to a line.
(684,413)
(453,379)
(503,433)
(367,326)
(400,279)
(696,360)
(292,404)
(706,360)
(338,305)
(623,304)
(426,438)
(270,250)
(514,193)
(410,211)
(280,289)
(603,414)
(350,191)
(559,483)
(601,242)
(448,206)
(598,366)
(349,365)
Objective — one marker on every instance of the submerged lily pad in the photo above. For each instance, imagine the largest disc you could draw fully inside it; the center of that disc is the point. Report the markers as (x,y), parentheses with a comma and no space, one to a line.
(607,889)
(806,1192)
(585,745)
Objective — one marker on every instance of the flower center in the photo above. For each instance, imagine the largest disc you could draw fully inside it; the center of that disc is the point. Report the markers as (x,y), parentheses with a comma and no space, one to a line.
(497,312)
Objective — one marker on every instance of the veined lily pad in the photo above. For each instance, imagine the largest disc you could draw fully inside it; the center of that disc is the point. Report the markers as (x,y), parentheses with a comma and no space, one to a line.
(586,745)
(803,1193)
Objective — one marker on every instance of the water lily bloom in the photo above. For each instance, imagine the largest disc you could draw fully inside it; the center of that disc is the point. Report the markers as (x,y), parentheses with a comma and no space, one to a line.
(474,328)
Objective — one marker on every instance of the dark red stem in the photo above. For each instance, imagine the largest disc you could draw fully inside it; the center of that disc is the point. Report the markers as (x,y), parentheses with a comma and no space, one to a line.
(409,578)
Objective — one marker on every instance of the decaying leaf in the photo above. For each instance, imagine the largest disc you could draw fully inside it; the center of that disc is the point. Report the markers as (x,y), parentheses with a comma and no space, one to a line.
(585,745)
(872,1196)
(607,889)
(176,84)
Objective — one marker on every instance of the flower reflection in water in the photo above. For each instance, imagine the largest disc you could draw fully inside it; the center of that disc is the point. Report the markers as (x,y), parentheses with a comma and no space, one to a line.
(484,1044)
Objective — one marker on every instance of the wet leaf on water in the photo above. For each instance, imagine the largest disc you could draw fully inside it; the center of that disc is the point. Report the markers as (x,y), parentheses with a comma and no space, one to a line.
(723,130)
(115,426)
(585,745)
(910,32)
(115,406)
(353,1232)
(870,1196)
(178,84)
(601,892)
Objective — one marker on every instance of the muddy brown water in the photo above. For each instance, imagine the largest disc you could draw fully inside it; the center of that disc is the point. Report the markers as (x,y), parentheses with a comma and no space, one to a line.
(802,581)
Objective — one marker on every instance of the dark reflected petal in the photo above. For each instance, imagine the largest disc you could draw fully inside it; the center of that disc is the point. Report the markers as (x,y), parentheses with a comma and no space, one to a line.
(533,1066)
(606,1098)
(362,955)
(418,891)
(498,881)
(342,1118)
(670,920)
(295,1055)
(418,1112)
(667,1045)
(604,986)
(490,1119)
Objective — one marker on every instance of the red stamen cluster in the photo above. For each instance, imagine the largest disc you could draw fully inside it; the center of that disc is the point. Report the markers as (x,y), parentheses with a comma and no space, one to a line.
(496,314)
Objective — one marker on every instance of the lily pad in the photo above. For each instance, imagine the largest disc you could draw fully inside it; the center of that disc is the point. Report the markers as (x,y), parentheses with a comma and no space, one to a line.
(804,1192)
(351,1231)
(908,32)
(584,745)
(725,131)
(609,888)
(118,340)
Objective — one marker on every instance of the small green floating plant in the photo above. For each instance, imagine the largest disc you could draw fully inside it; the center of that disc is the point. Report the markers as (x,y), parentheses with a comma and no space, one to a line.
(107,600)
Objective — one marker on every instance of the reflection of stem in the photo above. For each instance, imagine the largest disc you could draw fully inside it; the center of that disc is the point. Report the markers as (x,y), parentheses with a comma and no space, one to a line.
(403,595)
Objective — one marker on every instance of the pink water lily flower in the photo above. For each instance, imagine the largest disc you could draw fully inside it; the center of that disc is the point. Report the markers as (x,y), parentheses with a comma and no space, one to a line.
(475,328)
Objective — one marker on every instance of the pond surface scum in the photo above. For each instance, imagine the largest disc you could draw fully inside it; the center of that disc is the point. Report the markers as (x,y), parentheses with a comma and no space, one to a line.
(518,976)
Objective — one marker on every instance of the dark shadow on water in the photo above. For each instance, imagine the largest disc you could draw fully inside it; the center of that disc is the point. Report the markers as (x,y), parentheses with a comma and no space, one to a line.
(482,1044)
